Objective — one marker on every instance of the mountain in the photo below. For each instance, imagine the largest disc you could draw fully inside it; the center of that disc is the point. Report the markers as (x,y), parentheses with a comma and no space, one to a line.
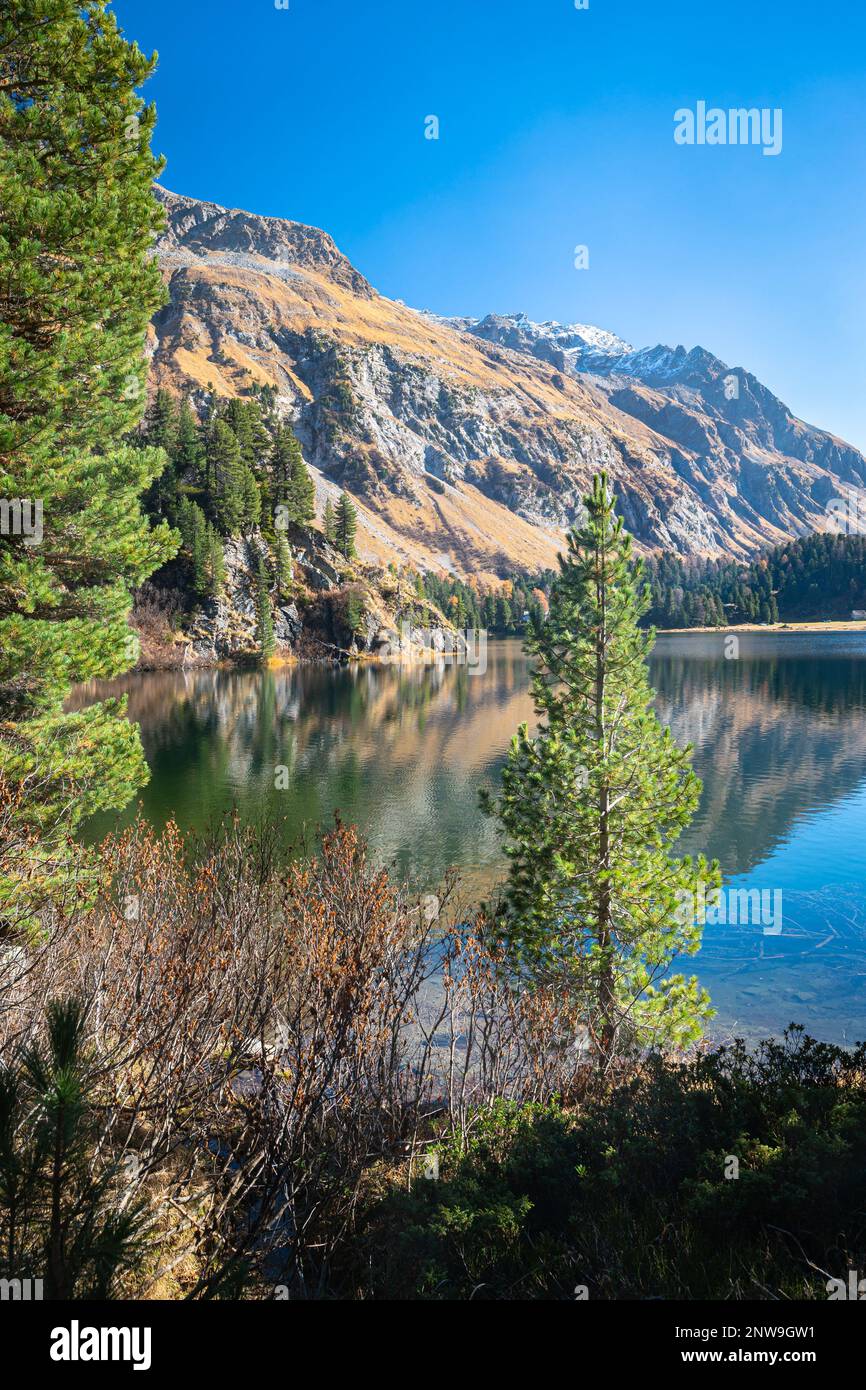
(467,443)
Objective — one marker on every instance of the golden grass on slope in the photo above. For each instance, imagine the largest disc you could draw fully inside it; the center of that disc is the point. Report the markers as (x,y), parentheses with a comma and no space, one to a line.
(462,532)
(462,529)
(310,299)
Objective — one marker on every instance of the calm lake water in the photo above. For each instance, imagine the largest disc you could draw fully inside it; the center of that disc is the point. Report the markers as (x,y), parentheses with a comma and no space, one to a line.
(780,743)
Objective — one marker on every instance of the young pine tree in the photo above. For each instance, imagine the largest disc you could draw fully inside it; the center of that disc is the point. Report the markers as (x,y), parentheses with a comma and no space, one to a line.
(62,1217)
(187,449)
(329,523)
(161,422)
(215,573)
(283,565)
(591,805)
(203,547)
(302,489)
(264,617)
(252,498)
(159,431)
(345,526)
(78,285)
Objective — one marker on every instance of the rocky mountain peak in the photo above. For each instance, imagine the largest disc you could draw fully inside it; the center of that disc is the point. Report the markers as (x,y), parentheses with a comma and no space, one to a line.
(209,232)
(563,344)
(468,443)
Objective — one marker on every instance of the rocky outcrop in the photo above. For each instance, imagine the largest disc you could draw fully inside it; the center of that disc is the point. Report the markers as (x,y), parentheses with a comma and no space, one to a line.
(338,611)
(468,444)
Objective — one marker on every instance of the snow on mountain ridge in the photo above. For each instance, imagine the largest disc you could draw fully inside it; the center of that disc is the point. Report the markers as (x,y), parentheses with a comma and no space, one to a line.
(581,347)
(573,340)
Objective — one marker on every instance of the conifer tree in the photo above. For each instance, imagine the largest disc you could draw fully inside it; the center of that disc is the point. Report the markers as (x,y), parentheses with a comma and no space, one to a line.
(78,285)
(329,523)
(203,546)
(302,488)
(216,570)
(252,497)
(160,422)
(226,478)
(345,526)
(187,449)
(293,487)
(245,419)
(60,1215)
(283,560)
(160,432)
(591,805)
(504,615)
(264,618)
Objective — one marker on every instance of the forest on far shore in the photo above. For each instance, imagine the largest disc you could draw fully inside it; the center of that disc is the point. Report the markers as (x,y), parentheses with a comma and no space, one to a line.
(820,576)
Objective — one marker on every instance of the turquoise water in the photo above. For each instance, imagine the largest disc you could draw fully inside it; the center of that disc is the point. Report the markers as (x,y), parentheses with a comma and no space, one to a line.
(780,743)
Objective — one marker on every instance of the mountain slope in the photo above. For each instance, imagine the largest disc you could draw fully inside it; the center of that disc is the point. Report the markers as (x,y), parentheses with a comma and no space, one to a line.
(468,444)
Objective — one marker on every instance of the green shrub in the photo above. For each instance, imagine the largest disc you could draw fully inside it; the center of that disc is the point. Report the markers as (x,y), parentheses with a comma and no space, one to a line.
(633,1196)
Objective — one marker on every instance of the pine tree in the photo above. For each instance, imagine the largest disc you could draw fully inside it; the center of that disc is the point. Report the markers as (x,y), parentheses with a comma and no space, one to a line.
(159,431)
(59,1214)
(78,285)
(193,528)
(187,449)
(329,523)
(355,611)
(161,423)
(203,545)
(245,419)
(264,618)
(345,526)
(283,563)
(252,498)
(226,475)
(504,615)
(591,805)
(302,496)
(293,488)
(216,570)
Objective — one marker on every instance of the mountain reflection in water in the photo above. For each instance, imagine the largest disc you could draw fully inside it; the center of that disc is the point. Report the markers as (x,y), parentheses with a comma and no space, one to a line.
(780,743)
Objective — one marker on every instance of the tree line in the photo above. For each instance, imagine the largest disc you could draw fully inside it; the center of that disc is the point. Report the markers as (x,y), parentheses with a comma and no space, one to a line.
(820,576)
(234,469)
(507,611)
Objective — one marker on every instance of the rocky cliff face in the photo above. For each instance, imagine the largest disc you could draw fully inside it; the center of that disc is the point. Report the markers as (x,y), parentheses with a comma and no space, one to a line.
(336,611)
(468,444)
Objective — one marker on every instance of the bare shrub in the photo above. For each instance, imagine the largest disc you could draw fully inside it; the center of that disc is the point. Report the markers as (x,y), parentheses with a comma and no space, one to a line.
(156,616)
(258,1040)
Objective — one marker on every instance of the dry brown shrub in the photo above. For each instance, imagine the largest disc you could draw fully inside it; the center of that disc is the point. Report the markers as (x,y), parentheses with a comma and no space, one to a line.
(262,1038)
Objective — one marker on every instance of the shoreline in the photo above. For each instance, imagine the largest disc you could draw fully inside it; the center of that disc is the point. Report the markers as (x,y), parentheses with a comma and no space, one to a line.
(803,628)
(424,656)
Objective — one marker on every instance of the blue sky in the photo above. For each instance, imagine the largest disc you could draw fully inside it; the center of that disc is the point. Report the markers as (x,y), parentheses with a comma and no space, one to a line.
(556,130)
